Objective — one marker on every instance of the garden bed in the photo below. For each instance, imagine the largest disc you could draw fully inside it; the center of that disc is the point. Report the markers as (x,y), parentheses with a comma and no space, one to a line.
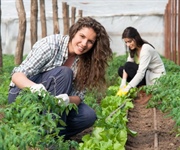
(141,120)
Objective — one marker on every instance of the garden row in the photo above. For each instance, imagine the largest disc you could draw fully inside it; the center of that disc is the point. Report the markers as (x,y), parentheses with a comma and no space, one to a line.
(110,130)
(23,126)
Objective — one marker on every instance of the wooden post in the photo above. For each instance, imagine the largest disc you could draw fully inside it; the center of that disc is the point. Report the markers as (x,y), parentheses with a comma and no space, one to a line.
(80,13)
(1,57)
(55,17)
(22,32)
(65,9)
(168,31)
(178,37)
(33,27)
(172,31)
(173,10)
(43,18)
(73,15)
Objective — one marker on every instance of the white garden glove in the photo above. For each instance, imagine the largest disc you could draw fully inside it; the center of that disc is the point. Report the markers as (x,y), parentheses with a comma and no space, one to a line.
(38,88)
(123,83)
(64,97)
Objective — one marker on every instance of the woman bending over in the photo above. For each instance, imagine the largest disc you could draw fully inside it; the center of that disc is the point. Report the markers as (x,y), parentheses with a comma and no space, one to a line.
(143,65)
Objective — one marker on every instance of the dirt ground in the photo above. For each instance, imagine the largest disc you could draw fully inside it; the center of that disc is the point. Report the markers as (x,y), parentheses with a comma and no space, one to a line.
(155,130)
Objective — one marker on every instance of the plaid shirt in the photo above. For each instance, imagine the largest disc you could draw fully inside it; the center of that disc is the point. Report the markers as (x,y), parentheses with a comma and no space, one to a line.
(45,55)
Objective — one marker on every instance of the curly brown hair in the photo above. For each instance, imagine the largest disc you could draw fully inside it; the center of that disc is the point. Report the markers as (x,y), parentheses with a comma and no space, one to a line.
(92,65)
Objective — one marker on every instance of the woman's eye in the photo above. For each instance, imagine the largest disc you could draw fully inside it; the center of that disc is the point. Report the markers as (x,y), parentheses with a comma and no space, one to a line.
(82,36)
(91,42)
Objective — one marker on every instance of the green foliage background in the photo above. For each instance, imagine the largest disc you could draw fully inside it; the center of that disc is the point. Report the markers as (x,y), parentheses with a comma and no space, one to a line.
(166,97)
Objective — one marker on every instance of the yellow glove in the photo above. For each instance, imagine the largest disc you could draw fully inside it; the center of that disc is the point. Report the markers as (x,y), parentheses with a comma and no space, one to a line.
(122,92)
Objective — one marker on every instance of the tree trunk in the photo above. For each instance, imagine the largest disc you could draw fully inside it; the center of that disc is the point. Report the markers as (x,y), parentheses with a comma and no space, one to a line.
(43,18)
(65,8)
(22,32)
(1,57)
(55,17)
(34,15)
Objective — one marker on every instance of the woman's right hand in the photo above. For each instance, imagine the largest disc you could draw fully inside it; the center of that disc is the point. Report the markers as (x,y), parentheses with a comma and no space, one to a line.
(38,88)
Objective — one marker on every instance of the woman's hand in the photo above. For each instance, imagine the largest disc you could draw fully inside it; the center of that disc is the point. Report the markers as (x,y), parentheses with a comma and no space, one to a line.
(63,97)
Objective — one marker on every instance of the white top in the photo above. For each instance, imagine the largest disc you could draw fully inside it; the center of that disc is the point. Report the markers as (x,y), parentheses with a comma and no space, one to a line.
(151,61)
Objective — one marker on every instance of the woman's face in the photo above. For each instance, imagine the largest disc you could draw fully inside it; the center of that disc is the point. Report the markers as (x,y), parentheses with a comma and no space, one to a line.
(83,41)
(130,43)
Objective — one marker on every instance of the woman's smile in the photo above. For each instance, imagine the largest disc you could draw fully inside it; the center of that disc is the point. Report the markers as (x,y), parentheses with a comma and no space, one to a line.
(83,41)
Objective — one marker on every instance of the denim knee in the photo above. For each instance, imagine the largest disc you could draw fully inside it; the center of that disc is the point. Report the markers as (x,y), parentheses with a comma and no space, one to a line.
(79,121)
(58,80)
(88,116)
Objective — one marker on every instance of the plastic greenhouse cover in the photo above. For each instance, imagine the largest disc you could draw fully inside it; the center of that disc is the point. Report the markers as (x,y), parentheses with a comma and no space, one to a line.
(115,15)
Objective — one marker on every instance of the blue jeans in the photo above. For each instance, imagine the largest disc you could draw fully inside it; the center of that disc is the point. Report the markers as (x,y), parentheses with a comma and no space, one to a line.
(58,81)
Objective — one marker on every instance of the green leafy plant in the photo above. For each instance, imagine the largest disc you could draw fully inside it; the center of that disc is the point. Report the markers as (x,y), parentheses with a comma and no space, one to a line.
(166,92)
(33,121)
(5,77)
(112,71)
(110,129)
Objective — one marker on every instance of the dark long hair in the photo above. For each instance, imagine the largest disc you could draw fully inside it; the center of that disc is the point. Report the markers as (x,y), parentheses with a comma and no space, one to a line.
(132,33)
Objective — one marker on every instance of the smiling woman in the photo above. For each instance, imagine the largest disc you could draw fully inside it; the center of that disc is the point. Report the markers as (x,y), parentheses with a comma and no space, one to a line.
(66,66)
(83,41)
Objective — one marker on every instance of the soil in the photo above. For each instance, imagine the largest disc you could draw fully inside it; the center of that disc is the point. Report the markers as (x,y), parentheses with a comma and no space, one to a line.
(155,131)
